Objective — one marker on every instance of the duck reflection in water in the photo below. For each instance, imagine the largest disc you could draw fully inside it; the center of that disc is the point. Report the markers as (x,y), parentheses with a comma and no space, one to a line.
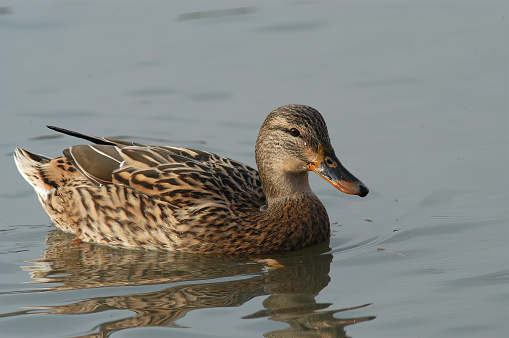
(291,287)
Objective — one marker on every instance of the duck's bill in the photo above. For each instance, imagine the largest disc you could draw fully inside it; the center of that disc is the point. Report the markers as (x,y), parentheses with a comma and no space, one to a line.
(329,168)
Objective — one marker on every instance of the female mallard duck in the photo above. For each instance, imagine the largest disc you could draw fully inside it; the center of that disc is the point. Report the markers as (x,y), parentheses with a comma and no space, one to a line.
(127,194)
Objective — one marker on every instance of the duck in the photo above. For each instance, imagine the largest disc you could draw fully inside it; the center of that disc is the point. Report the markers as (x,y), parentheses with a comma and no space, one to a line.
(131,195)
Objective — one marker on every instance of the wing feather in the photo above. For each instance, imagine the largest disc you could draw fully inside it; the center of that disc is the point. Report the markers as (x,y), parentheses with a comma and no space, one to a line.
(182,177)
(185,177)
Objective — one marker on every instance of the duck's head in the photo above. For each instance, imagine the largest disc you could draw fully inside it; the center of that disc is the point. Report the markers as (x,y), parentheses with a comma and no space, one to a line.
(292,141)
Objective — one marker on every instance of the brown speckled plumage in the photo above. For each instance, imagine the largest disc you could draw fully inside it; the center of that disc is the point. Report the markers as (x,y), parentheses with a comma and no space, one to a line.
(125,194)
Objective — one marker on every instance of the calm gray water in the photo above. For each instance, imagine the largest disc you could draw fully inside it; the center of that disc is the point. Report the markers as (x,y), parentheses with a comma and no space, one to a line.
(415,94)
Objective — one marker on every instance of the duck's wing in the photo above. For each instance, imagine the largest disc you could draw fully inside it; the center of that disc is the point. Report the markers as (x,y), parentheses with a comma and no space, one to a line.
(179,176)
(239,169)
(171,173)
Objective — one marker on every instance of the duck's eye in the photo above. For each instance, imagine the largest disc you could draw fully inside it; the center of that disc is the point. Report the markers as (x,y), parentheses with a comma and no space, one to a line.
(294,132)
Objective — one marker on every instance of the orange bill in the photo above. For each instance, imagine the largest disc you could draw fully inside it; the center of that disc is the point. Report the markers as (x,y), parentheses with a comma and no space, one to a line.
(329,168)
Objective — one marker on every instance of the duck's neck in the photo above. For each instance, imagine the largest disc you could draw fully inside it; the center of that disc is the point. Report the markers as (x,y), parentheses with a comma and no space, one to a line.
(281,185)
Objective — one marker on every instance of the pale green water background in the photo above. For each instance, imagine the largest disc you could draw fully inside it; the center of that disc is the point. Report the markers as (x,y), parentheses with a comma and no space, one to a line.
(415,94)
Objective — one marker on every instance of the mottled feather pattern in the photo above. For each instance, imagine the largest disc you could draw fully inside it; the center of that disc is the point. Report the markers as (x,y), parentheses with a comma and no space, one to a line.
(179,175)
(156,198)
(177,178)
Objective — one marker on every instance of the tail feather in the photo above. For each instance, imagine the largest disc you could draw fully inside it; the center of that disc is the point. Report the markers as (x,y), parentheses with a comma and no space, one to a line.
(31,166)
(94,139)
(45,174)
